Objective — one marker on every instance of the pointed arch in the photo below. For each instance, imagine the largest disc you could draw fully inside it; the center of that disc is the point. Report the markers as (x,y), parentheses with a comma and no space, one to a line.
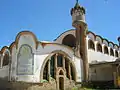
(61,72)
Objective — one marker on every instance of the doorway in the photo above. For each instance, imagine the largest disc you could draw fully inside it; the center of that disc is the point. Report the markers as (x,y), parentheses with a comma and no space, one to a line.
(61,83)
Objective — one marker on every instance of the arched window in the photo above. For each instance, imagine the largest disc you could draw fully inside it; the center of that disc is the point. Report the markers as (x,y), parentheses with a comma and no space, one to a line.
(116,53)
(6,59)
(52,64)
(106,50)
(69,40)
(25,60)
(91,45)
(60,61)
(67,67)
(111,52)
(45,72)
(99,47)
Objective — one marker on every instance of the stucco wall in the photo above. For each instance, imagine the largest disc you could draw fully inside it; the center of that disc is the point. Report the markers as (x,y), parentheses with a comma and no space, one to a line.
(93,55)
(101,73)
(61,37)
(99,57)
(4,72)
(40,52)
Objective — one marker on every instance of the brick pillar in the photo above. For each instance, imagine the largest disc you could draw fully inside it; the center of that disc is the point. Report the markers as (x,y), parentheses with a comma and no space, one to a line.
(55,65)
(63,62)
(82,45)
(49,70)
(69,71)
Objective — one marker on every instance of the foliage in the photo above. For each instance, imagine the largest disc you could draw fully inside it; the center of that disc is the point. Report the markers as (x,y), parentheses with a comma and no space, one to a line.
(43,81)
(74,88)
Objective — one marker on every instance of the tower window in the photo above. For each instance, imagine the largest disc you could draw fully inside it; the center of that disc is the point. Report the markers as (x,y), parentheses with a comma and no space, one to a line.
(91,45)
(99,47)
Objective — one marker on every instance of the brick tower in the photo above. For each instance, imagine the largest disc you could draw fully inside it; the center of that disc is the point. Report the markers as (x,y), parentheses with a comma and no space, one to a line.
(78,21)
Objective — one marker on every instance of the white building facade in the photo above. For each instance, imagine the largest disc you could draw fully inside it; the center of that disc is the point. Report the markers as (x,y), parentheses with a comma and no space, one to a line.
(32,61)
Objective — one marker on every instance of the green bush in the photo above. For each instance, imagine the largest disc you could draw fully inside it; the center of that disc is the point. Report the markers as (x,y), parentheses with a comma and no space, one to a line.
(74,88)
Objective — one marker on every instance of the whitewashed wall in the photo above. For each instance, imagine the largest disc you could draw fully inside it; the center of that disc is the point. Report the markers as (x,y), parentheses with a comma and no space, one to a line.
(79,69)
(100,57)
(101,73)
(4,72)
(13,63)
(40,53)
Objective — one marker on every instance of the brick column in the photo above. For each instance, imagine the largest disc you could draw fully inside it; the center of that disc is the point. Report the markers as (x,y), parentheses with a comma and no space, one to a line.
(55,67)
(83,49)
(63,62)
(49,70)
(69,71)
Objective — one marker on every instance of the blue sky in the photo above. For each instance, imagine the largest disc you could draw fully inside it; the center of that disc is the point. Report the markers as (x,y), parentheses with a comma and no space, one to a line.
(47,19)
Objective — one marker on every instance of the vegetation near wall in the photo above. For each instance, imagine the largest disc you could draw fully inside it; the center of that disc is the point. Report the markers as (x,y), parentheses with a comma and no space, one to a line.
(5,85)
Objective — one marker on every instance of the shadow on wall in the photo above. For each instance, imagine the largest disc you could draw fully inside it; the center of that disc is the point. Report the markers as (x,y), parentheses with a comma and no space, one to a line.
(69,40)
(4,84)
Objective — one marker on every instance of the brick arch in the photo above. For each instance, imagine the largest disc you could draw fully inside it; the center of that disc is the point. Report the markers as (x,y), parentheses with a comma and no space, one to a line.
(60,72)
(49,56)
